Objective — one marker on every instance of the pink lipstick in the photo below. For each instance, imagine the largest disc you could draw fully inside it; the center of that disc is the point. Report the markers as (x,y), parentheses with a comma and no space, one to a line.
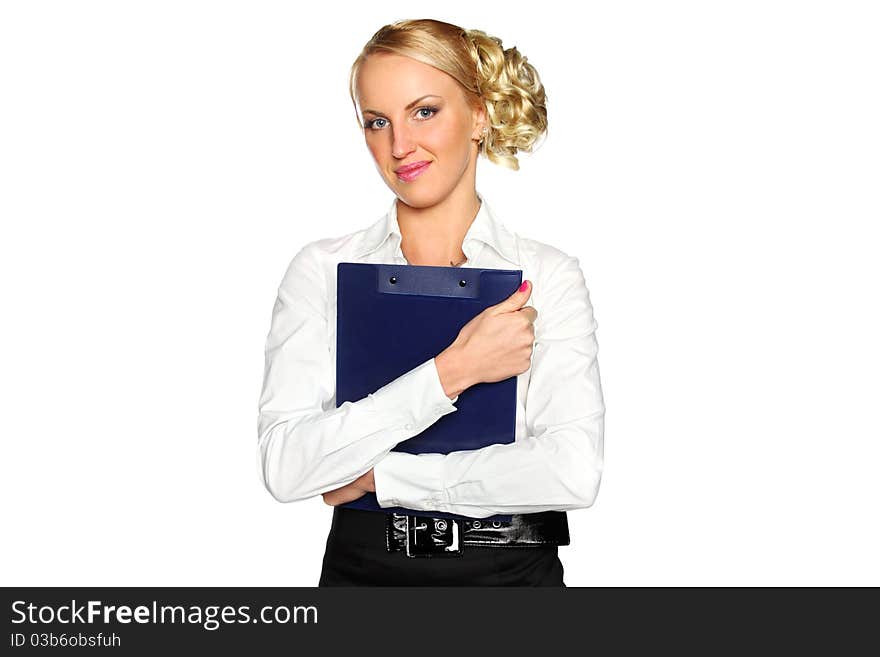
(412,171)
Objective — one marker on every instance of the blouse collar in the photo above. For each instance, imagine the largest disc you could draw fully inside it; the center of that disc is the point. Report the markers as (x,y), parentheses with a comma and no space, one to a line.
(485,227)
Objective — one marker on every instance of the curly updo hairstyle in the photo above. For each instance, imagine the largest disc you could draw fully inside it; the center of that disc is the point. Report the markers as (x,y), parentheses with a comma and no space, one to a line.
(499,79)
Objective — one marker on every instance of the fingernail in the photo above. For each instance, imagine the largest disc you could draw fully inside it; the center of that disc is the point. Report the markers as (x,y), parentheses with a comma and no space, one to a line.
(524,286)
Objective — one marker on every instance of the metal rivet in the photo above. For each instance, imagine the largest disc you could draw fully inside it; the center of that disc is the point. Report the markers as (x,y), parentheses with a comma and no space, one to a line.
(496,524)
(462,283)
(477,524)
(393,280)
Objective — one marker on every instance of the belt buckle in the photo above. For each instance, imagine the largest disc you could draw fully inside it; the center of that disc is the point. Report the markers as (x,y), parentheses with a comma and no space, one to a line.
(432,537)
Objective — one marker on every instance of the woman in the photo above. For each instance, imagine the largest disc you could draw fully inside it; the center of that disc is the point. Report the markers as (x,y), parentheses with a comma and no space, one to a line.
(431,97)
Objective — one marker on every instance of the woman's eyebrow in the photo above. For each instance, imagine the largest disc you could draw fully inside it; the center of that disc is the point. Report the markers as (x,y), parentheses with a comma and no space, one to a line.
(412,104)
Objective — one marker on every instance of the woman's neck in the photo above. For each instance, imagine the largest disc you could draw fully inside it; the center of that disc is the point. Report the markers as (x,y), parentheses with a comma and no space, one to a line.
(434,235)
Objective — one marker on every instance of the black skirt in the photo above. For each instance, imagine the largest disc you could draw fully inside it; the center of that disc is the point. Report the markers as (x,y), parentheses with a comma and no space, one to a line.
(356,555)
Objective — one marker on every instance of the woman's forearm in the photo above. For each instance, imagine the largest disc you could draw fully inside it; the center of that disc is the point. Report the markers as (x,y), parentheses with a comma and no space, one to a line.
(453,373)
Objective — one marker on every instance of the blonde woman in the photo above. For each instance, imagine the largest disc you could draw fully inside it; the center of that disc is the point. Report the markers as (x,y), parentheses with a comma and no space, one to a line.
(431,98)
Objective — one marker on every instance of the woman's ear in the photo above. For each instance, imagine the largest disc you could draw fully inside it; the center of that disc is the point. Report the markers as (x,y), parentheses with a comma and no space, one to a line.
(481,123)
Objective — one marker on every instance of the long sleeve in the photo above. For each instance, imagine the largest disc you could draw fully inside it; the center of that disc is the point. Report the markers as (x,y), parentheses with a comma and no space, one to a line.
(307,446)
(557,466)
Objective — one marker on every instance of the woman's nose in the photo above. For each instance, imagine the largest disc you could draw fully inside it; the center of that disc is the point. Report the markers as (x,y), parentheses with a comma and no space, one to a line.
(402,143)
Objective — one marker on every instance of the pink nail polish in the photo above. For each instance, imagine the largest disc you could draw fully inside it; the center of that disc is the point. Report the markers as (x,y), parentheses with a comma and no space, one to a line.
(522,288)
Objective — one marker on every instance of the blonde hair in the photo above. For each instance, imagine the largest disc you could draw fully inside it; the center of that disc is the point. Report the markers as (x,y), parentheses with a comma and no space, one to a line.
(499,79)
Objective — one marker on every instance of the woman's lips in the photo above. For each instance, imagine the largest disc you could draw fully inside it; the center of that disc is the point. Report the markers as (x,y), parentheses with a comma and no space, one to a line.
(411,174)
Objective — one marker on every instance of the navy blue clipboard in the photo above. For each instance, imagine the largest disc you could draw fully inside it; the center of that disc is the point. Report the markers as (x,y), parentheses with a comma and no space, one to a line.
(392,318)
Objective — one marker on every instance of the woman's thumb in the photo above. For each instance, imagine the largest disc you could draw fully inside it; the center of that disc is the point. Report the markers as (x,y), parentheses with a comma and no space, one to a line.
(518,299)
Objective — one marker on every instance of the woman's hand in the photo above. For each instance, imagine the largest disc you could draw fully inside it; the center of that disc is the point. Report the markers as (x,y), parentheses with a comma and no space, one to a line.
(493,346)
(363,484)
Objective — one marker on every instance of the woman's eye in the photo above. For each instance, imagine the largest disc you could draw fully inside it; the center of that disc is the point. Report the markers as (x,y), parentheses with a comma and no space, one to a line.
(372,124)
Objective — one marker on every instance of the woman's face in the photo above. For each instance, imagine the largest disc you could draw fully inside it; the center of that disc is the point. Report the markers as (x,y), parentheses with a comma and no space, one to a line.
(413,112)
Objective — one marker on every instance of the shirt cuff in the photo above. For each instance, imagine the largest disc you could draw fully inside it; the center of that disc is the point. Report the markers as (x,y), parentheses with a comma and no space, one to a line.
(413,481)
(416,398)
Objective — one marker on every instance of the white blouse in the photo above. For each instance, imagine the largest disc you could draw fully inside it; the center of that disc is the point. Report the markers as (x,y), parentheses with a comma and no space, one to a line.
(308,446)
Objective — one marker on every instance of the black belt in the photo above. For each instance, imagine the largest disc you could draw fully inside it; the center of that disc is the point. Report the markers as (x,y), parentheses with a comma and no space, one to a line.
(426,536)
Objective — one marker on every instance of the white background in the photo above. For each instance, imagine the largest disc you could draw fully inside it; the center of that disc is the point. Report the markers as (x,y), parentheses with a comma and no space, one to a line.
(714,166)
